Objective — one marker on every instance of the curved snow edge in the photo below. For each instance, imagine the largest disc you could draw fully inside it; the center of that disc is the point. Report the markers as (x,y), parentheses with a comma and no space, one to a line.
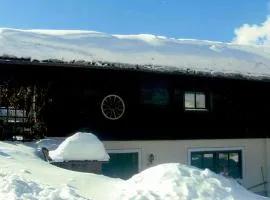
(80,146)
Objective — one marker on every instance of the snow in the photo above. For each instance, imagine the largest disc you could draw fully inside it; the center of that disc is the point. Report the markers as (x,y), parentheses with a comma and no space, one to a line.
(14,187)
(26,176)
(173,181)
(80,146)
(152,52)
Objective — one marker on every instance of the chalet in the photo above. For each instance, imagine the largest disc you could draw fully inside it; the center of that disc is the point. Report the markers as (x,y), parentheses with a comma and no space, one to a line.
(151,100)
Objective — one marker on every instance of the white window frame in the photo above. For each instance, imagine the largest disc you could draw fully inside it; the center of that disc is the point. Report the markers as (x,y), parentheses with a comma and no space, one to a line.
(213,149)
(195,108)
(139,151)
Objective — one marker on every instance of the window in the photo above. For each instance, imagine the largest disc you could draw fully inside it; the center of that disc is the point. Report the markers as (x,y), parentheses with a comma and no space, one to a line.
(155,94)
(195,101)
(12,115)
(229,161)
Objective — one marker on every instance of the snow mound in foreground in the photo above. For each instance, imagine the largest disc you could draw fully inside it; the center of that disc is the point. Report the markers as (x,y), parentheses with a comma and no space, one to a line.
(176,181)
(80,146)
(13,187)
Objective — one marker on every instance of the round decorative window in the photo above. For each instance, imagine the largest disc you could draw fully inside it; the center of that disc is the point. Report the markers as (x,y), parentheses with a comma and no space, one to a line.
(113,107)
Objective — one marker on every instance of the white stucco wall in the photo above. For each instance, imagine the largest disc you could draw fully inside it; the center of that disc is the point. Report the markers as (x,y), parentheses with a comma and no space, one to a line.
(254,154)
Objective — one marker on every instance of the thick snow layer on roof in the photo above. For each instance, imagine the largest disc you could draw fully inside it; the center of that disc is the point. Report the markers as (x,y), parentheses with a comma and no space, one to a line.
(80,146)
(174,181)
(158,52)
(25,176)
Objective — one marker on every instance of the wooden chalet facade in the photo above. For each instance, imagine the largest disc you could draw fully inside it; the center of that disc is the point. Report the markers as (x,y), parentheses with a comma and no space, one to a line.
(145,117)
(157,105)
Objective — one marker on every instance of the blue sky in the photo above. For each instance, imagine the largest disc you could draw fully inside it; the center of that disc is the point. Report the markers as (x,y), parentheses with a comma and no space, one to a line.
(200,19)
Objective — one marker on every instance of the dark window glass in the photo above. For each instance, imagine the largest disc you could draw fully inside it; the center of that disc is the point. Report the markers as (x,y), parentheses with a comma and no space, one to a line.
(208,161)
(227,163)
(155,95)
(196,160)
(234,163)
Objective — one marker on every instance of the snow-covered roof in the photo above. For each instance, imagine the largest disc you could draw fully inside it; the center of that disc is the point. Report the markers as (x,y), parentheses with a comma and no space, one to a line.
(152,52)
(80,146)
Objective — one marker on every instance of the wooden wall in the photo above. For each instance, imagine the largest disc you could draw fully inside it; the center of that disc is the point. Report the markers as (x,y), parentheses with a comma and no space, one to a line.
(236,108)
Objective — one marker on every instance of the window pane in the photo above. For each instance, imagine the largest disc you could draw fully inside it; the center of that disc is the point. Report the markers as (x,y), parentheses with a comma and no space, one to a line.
(234,159)
(222,162)
(156,96)
(223,158)
(160,96)
(20,113)
(196,160)
(200,100)
(3,112)
(189,100)
(235,172)
(208,161)
(11,112)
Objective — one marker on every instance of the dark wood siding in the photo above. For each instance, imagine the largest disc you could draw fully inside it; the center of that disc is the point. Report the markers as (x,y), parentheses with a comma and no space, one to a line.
(236,108)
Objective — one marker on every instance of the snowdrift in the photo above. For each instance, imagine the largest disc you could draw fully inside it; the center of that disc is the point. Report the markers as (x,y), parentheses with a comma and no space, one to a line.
(25,176)
(174,181)
(153,52)
(15,187)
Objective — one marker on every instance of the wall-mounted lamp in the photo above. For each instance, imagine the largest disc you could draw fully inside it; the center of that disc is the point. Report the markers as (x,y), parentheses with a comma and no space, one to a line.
(151,158)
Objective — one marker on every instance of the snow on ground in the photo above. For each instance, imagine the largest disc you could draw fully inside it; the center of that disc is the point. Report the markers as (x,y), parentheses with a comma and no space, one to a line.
(15,187)
(24,175)
(80,146)
(174,181)
(157,52)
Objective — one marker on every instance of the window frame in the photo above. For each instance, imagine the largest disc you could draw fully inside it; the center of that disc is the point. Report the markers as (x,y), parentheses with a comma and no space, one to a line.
(14,118)
(195,93)
(221,150)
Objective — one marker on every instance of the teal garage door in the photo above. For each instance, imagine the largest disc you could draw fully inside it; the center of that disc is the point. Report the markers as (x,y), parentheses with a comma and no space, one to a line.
(121,165)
